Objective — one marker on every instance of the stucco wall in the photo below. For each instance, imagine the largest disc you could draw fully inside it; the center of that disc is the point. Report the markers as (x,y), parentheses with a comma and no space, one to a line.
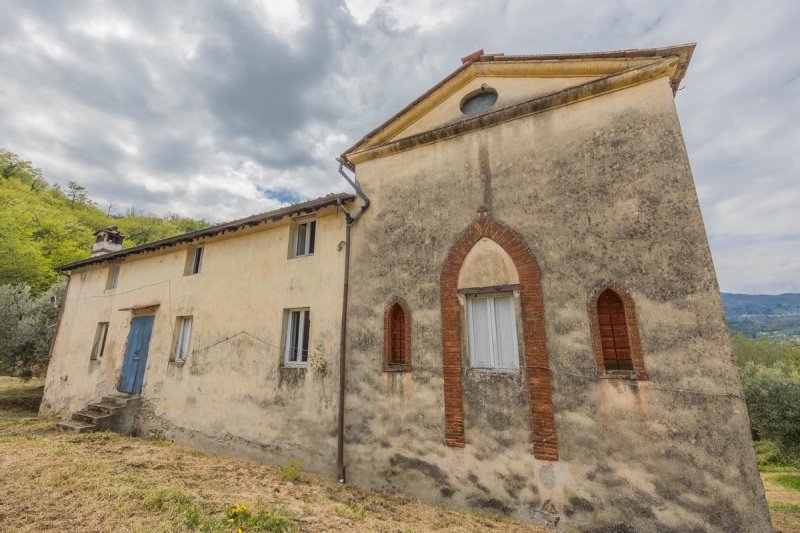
(601,191)
(231,395)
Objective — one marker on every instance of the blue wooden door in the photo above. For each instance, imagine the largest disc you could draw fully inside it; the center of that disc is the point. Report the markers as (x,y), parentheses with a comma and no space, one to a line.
(136,354)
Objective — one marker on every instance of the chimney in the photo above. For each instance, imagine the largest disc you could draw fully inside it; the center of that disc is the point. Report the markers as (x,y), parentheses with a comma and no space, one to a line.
(107,240)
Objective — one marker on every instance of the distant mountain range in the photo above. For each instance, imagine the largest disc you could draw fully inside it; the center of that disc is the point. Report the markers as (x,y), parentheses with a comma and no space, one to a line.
(774,315)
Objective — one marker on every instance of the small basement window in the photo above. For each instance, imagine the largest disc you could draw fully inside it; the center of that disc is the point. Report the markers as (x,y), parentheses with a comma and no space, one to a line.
(99,341)
(305,236)
(298,324)
(184,328)
(492,327)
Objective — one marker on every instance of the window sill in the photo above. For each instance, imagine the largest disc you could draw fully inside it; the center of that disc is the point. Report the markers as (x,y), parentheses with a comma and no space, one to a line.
(295,366)
(622,374)
(177,364)
(301,256)
(494,370)
(397,368)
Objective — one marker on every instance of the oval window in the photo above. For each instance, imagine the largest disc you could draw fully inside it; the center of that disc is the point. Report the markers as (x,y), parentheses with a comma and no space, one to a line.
(478,103)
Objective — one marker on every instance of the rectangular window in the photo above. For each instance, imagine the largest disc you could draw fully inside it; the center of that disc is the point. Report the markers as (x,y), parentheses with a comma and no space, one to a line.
(296,338)
(113,277)
(197,260)
(99,341)
(194,260)
(492,326)
(305,235)
(184,330)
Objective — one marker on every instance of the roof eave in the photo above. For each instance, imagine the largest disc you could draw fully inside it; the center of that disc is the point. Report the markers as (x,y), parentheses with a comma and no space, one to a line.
(234,225)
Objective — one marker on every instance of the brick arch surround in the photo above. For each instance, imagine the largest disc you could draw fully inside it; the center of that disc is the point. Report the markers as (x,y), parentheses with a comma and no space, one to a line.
(535,344)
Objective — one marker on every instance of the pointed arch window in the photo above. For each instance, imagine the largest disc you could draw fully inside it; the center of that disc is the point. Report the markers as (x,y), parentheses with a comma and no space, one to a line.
(397,338)
(616,337)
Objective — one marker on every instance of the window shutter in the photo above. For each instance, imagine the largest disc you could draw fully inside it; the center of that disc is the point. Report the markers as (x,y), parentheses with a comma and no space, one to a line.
(480,333)
(300,248)
(505,337)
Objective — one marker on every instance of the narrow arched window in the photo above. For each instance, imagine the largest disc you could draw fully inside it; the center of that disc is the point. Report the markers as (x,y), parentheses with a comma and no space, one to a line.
(614,336)
(396,339)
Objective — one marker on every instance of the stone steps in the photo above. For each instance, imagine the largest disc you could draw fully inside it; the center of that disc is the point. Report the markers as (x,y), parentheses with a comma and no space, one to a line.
(113,413)
(74,426)
(91,417)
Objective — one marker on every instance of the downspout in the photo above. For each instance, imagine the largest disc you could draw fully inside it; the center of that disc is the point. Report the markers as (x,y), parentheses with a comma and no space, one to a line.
(350,219)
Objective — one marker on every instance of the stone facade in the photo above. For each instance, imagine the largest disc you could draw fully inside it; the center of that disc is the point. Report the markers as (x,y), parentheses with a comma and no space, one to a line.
(575,181)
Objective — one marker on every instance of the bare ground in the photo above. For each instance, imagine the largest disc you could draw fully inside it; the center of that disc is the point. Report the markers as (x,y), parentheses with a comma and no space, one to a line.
(53,481)
(101,482)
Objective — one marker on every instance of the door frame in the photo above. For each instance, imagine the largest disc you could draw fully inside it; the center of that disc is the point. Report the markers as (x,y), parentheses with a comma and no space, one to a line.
(148,313)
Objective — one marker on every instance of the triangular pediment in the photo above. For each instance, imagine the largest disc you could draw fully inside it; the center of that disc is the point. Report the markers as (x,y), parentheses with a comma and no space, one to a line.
(516,80)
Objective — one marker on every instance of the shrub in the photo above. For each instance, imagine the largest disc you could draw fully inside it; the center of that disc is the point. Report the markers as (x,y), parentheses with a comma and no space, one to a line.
(292,471)
(773,403)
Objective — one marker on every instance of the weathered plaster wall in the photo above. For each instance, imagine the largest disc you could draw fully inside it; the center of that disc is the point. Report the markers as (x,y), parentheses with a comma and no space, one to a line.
(231,395)
(600,191)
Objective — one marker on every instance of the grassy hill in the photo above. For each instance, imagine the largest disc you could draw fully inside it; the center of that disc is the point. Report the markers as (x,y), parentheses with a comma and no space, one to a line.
(44,226)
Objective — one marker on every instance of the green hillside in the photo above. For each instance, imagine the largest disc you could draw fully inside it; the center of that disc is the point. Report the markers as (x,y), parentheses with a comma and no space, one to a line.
(737,305)
(43,226)
(773,315)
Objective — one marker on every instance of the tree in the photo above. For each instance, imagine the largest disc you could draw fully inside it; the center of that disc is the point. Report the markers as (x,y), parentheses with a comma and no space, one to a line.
(77,194)
(27,325)
(773,403)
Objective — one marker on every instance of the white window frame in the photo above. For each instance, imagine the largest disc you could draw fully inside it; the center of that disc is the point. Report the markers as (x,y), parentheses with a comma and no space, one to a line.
(296,334)
(183,327)
(493,331)
(309,232)
(100,335)
(113,276)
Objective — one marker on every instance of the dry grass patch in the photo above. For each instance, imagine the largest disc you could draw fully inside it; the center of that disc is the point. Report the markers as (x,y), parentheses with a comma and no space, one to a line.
(107,482)
(783,495)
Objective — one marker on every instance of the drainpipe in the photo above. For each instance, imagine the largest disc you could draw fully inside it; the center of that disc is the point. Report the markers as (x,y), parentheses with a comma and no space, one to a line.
(350,220)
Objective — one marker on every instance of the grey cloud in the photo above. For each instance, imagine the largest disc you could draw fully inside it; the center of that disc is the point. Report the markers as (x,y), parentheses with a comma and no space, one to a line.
(200,108)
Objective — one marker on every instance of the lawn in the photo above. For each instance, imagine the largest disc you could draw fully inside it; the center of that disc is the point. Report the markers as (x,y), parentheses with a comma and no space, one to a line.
(53,481)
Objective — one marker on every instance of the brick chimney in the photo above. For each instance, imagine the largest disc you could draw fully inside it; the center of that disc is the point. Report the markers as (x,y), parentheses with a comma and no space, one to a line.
(107,240)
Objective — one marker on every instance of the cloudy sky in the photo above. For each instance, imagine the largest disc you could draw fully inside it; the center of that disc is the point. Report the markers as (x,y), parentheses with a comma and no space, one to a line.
(220,109)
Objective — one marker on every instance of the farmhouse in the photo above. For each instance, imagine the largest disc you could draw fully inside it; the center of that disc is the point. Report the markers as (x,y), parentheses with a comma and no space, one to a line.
(521,291)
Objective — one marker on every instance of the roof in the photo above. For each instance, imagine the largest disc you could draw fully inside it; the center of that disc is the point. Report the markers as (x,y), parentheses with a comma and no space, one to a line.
(254,220)
(683,52)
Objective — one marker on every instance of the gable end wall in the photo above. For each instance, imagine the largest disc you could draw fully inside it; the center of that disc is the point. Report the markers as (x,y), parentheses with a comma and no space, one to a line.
(600,191)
